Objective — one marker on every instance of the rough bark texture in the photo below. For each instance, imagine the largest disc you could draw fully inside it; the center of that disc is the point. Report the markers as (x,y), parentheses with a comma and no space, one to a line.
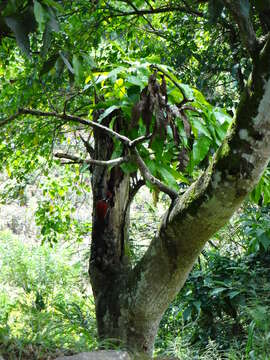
(131,302)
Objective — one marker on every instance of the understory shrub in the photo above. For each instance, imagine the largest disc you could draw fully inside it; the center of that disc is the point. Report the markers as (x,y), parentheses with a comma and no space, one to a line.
(45,301)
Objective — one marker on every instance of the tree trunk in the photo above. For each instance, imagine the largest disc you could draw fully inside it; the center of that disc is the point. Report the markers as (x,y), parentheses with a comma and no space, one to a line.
(110,271)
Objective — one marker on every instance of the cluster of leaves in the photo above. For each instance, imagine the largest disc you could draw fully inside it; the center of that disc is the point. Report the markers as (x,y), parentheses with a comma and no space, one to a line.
(254,227)
(24,17)
(261,193)
(181,135)
(58,207)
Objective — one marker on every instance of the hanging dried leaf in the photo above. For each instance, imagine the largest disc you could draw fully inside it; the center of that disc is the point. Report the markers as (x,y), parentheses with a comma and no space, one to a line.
(163,89)
(135,115)
(186,123)
(175,132)
(183,159)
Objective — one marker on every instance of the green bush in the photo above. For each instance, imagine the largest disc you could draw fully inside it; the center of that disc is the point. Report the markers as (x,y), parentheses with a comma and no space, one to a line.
(44,302)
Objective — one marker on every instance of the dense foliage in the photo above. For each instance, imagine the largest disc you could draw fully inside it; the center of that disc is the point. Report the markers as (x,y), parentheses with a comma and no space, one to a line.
(162,79)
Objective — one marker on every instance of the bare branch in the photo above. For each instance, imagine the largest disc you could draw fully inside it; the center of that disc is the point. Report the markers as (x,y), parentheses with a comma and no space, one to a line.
(77,160)
(125,140)
(149,177)
(87,145)
(139,140)
(164,9)
(77,119)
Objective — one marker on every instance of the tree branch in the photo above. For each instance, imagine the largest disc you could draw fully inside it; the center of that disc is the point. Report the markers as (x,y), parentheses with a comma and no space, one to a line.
(77,119)
(139,140)
(149,177)
(240,12)
(77,160)
(160,11)
(125,140)
(88,147)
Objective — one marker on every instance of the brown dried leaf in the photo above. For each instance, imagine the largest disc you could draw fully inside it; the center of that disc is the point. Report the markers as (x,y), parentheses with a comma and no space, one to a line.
(183,159)
(163,89)
(175,132)
(186,124)
(147,118)
(135,115)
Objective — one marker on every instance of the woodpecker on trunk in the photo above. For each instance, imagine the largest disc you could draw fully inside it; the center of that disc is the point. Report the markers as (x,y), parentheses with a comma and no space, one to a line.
(102,206)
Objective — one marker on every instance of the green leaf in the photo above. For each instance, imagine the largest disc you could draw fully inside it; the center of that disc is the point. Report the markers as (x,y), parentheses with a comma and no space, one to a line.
(134,80)
(264,240)
(107,112)
(234,293)
(46,41)
(110,75)
(197,305)
(21,27)
(167,176)
(77,67)
(67,63)
(200,149)
(40,14)
(129,167)
(217,291)
(187,313)
(188,91)
(198,124)
(84,168)
(54,4)
(149,161)
(221,116)
(53,22)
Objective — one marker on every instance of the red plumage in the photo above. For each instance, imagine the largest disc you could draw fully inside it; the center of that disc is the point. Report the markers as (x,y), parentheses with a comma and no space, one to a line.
(102,209)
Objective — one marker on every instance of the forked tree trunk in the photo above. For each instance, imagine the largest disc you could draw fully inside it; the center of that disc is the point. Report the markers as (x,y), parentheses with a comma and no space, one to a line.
(130,302)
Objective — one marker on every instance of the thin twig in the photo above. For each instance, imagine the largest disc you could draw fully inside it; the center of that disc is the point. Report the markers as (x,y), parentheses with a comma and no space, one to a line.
(125,140)
(76,119)
(77,160)
(161,10)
